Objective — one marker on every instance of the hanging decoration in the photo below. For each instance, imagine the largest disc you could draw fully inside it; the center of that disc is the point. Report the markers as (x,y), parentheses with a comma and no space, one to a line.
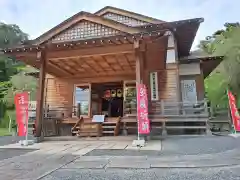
(119,93)
(113,93)
(107,94)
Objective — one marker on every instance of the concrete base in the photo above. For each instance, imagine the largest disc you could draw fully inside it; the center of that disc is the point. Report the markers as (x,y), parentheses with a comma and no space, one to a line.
(39,139)
(208,131)
(26,142)
(236,135)
(138,143)
(164,132)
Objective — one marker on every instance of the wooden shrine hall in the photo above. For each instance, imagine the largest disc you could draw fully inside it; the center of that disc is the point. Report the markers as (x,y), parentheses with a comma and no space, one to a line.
(89,66)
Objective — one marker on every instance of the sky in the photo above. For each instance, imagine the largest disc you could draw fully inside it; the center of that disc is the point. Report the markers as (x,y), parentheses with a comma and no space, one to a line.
(35,17)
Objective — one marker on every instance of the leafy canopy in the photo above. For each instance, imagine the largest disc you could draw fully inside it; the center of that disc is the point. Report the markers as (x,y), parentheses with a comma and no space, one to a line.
(225,42)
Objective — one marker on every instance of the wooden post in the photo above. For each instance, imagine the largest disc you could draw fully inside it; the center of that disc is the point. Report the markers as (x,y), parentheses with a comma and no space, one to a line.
(139,62)
(90,101)
(139,67)
(162,107)
(78,110)
(40,96)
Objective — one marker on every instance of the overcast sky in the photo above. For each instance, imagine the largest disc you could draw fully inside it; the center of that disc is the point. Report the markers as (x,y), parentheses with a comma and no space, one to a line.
(37,16)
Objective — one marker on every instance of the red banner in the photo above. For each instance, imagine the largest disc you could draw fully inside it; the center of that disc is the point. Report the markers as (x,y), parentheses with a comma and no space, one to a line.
(21,103)
(142,110)
(234,111)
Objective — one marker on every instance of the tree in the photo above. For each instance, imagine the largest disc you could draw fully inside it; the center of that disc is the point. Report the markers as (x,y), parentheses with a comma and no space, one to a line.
(10,35)
(225,42)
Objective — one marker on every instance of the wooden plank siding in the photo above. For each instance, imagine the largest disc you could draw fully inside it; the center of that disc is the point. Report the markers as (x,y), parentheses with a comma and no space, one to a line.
(59,93)
(168,83)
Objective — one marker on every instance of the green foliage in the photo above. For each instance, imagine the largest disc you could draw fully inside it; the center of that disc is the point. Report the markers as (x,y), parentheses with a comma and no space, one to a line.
(225,43)
(10,35)
(20,82)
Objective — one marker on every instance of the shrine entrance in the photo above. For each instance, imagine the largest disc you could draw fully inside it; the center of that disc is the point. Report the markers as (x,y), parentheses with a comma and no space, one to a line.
(107,99)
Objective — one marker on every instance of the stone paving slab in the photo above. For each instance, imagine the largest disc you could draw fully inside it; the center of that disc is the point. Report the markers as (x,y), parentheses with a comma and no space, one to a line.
(120,145)
(135,162)
(86,165)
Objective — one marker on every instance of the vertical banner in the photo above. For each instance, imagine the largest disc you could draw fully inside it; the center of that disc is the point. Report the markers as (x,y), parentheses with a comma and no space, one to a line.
(142,110)
(234,111)
(21,103)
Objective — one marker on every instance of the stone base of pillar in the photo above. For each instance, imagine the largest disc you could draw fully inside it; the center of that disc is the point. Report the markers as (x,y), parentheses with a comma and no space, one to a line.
(39,139)
(124,132)
(208,132)
(164,132)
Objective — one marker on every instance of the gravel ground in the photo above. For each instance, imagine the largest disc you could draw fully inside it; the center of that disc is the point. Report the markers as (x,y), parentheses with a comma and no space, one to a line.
(231,173)
(198,145)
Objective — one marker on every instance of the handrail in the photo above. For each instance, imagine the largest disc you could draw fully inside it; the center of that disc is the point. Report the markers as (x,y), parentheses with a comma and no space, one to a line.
(168,108)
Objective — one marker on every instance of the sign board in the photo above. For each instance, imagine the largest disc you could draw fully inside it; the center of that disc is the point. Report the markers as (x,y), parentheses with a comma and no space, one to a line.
(98,118)
(234,111)
(154,86)
(142,110)
(21,103)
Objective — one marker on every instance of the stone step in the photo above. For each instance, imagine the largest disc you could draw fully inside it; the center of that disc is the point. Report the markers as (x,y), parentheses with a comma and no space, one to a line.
(108,132)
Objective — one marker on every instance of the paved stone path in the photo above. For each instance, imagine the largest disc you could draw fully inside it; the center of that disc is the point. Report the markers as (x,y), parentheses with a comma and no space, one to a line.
(53,158)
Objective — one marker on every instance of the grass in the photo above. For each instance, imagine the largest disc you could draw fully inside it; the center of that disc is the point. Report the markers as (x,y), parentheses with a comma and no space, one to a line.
(4,132)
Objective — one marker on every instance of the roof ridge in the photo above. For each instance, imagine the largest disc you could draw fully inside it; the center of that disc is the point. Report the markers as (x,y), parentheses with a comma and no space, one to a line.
(119,9)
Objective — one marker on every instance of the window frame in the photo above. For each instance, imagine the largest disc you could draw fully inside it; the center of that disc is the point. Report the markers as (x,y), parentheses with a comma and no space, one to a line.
(90,97)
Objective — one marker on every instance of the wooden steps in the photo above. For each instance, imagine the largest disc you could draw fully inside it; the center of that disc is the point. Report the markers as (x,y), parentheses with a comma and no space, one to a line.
(85,127)
(111,126)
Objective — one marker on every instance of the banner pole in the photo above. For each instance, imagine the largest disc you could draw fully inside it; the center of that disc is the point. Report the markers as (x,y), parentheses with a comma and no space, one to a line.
(27,119)
(138,138)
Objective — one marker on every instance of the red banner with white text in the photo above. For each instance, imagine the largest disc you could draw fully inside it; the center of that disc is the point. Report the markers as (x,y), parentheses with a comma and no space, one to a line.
(21,104)
(234,111)
(142,110)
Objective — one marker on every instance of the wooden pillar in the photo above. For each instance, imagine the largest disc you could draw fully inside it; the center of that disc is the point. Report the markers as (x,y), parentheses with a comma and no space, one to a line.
(139,55)
(40,96)
(90,101)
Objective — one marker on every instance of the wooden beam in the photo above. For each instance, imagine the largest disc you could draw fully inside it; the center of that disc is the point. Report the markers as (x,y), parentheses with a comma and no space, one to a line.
(98,51)
(102,79)
(52,65)
(40,95)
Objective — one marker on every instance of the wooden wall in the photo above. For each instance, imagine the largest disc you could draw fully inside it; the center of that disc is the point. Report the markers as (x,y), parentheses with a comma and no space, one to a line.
(167,73)
(168,83)
(58,93)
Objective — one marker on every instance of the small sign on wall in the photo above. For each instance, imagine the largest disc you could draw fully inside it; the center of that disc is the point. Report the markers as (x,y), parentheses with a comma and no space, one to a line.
(154,86)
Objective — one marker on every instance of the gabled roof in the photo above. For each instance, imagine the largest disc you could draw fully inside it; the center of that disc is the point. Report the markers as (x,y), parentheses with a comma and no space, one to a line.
(110,9)
(79,17)
(184,31)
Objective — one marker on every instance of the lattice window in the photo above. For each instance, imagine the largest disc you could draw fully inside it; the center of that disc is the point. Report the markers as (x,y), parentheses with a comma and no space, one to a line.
(85,30)
(124,19)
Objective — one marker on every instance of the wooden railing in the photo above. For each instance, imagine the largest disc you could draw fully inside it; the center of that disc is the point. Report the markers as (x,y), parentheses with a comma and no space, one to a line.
(167,108)
(179,108)
(51,112)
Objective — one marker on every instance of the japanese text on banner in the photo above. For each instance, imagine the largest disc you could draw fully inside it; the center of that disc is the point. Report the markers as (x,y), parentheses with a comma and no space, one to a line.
(142,110)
